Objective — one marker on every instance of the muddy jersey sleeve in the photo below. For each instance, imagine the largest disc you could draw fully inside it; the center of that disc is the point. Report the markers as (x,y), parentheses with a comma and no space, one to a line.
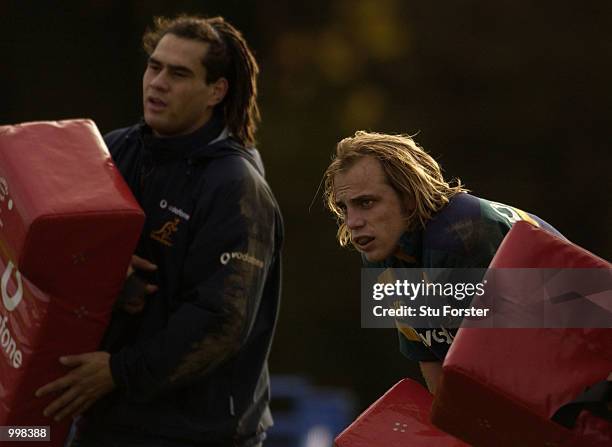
(224,273)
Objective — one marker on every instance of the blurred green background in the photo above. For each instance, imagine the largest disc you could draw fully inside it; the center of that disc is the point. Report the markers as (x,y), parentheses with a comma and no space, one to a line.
(512,97)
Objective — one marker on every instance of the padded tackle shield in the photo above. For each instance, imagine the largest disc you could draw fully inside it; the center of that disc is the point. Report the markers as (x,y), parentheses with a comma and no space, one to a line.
(399,418)
(502,386)
(68,227)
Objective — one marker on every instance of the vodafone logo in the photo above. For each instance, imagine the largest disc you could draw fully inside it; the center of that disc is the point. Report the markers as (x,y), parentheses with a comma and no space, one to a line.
(174,210)
(245,257)
(11,301)
(8,344)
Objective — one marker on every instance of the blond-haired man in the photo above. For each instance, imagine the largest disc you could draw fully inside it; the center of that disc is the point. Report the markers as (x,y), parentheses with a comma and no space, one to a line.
(395,207)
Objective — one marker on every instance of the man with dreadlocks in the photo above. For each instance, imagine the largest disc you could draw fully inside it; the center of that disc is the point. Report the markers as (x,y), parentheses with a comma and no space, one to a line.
(188,365)
(395,207)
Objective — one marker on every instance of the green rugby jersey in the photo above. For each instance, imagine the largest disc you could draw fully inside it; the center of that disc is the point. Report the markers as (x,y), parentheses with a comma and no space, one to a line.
(464,234)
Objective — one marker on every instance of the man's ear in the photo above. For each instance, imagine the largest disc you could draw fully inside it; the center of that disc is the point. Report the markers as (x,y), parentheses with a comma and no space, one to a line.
(219,90)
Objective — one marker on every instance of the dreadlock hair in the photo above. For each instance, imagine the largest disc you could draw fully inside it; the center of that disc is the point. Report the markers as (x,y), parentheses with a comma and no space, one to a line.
(228,56)
(410,171)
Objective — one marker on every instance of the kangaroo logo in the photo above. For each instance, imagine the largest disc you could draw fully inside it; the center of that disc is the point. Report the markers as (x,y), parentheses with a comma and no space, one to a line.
(11,302)
(164,234)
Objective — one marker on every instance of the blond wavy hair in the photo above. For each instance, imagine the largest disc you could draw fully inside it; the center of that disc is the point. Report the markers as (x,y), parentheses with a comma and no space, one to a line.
(410,171)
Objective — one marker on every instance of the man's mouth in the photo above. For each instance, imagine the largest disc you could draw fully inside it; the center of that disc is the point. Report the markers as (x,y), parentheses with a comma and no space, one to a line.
(156,103)
(363,242)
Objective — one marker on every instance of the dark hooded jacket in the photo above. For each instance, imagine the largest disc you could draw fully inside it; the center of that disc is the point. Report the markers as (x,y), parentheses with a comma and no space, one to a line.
(192,367)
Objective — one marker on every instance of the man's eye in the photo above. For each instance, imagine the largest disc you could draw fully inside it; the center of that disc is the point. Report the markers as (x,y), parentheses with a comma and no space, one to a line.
(367,203)
(153,67)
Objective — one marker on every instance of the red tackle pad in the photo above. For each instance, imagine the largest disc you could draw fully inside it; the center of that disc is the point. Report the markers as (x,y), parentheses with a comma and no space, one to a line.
(68,227)
(399,418)
(502,386)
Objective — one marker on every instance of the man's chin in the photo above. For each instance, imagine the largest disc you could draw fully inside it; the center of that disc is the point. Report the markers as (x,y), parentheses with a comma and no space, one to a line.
(153,122)
(159,127)
(378,254)
(373,257)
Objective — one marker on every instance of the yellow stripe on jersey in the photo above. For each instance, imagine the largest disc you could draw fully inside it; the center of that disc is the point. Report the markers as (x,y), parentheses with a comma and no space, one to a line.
(408,332)
(526,217)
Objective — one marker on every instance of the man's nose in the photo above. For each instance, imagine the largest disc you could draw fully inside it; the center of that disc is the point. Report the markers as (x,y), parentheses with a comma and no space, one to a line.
(354,219)
(159,81)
